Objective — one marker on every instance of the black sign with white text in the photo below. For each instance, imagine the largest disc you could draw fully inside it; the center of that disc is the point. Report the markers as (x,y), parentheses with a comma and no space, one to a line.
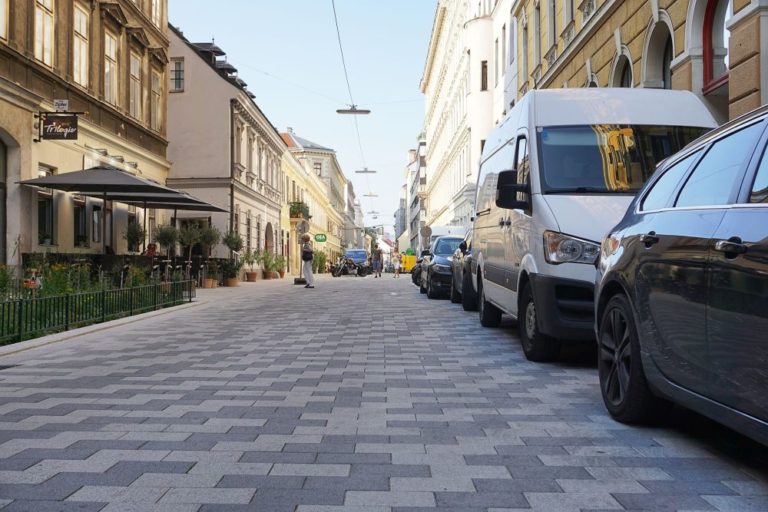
(58,126)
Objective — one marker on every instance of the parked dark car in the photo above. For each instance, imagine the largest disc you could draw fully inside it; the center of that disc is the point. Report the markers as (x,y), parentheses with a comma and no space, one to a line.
(436,266)
(462,290)
(682,286)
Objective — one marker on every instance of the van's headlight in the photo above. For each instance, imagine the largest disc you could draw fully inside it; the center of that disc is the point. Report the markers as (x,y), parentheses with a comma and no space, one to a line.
(560,248)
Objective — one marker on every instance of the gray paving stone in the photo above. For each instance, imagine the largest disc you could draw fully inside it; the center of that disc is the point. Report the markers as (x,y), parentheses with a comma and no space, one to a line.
(372,410)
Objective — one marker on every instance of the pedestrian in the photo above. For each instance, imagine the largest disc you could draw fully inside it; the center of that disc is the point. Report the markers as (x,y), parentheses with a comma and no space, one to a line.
(307,255)
(396,263)
(376,258)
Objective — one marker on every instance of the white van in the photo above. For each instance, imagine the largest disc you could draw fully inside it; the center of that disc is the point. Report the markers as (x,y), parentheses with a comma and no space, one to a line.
(438,231)
(555,176)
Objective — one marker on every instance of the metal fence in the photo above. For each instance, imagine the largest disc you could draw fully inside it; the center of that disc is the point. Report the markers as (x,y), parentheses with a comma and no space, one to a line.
(26,318)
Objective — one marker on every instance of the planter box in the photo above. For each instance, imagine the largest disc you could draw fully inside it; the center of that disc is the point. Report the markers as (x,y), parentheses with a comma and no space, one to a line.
(231,282)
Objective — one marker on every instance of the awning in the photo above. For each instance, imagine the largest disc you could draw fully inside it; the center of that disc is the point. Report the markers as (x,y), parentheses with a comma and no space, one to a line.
(112,184)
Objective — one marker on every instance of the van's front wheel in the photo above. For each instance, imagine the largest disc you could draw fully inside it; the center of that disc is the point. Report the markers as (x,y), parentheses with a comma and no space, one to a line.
(536,346)
(490,315)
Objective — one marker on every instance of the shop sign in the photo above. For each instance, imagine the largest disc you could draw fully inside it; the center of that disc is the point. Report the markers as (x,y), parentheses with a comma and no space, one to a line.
(320,237)
(58,126)
(61,105)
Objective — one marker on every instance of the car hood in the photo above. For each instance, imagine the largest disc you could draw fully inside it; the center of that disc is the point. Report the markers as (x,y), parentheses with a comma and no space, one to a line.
(588,216)
(441,260)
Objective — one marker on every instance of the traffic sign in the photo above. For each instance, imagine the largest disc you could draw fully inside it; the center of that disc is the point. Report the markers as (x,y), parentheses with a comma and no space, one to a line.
(320,237)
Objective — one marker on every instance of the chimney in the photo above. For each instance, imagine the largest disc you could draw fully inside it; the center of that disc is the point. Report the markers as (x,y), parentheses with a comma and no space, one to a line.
(290,129)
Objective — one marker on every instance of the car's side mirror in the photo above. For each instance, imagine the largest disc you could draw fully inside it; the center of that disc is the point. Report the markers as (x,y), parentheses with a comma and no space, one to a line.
(424,253)
(510,194)
(463,247)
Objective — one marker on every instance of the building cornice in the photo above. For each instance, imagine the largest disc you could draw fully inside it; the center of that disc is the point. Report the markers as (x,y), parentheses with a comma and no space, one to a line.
(434,39)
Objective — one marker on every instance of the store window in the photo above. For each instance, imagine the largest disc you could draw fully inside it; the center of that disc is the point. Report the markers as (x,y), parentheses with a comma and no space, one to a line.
(46,215)
(155,105)
(44,31)
(177,75)
(110,68)
(80,221)
(80,46)
(135,88)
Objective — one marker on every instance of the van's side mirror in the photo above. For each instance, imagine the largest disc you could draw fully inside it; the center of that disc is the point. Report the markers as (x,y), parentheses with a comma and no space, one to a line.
(463,247)
(508,192)
(425,253)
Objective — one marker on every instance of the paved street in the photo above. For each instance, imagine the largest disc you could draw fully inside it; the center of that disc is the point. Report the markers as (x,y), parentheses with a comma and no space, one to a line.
(364,396)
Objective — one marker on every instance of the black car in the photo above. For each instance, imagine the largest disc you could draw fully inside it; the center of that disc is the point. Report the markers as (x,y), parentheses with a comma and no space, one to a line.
(462,290)
(436,266)
(682,286)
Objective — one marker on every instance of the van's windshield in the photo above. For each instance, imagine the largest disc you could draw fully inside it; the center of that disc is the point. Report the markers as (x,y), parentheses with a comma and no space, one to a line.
(606,158)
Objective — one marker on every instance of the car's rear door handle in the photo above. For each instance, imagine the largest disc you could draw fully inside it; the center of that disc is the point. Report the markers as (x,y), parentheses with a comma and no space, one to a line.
(732,246)
(649,239)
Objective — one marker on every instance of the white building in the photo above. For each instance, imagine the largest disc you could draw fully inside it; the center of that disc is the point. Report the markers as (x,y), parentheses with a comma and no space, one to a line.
(467,72)
(223,148)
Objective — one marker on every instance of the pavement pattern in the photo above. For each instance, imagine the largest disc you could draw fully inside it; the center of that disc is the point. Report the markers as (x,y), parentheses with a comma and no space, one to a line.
(359,395)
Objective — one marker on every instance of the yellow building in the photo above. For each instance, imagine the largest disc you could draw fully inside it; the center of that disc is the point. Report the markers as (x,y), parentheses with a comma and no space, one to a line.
(109,61)
(308,193)
(710,47)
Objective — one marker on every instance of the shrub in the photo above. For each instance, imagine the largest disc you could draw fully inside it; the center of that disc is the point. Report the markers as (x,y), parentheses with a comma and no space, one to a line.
(233,241)
(167,236)
(209,236)
(318,264)
(231,268)
(134,235)
(189,235)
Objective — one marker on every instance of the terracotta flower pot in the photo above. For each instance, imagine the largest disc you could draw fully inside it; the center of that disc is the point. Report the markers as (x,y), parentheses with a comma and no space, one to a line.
(208,283)
(251,276)
(282,273)
(231,282)
(267,275)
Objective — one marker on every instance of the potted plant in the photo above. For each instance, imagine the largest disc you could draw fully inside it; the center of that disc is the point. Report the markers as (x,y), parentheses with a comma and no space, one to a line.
(167,236)
(211,271)
(209,237)
(280,263)
(268,262)
(251,258)
(134,235)
(231,270)
(233,241)
(189,235)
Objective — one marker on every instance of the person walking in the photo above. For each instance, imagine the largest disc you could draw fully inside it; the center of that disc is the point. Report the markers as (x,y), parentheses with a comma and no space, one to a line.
(396,264)
(376,258)
(307,256)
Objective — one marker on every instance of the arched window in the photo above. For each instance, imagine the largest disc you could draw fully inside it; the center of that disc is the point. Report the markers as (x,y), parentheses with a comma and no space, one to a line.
(715,43)
(622,74)
(666,64)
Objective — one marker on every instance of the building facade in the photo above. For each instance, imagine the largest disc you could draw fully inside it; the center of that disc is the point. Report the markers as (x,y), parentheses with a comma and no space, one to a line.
(353,220)
(464,83)
(109,60)
(416,181)
(224,149)
(714,48)
(304,188)
(321,161)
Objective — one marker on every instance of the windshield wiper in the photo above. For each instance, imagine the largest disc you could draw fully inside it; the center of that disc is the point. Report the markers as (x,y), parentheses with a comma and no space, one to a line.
(588,190)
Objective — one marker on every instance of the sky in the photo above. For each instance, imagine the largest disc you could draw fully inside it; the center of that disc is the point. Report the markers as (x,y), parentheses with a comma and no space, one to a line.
(288,53)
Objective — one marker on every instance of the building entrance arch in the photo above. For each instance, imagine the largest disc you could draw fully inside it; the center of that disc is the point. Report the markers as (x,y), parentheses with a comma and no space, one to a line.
(269,238)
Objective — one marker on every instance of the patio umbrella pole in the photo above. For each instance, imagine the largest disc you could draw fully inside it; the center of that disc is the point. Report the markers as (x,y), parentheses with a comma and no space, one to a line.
(104,224)
(144,242)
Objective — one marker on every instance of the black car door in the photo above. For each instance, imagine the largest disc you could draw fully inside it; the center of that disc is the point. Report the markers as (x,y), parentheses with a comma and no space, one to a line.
(673,248)
(737,308)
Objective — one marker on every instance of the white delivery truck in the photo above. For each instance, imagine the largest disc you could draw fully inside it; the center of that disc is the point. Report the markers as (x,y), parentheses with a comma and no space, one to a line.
(555,176)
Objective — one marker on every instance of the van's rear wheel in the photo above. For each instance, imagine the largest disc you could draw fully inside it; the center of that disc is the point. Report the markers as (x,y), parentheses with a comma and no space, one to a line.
(536,346)
(490,315)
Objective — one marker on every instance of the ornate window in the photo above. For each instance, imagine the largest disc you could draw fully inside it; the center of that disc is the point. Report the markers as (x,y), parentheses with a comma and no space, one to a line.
(80,46)
(715,44)
(44,31)
(110,68)
(135,88)
(155,105)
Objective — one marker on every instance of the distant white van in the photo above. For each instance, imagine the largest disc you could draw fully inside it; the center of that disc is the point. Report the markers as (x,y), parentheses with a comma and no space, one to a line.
(438,231)
(555,176)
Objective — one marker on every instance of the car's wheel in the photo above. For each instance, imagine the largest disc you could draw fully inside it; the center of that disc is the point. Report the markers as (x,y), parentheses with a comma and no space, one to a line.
(455,295)
(622,380)
(468,294)
(422,288)
(431,292)
(537,346)
(490,315)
